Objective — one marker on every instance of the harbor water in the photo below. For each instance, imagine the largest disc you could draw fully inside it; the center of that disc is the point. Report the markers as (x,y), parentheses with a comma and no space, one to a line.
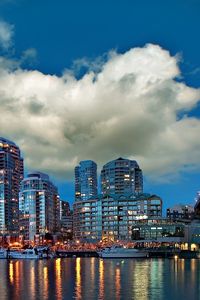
(93,278)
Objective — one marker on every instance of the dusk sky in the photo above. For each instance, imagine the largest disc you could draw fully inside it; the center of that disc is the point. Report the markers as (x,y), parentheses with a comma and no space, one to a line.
(103,79)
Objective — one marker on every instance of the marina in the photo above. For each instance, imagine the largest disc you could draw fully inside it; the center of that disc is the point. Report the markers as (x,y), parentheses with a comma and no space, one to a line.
(111,252)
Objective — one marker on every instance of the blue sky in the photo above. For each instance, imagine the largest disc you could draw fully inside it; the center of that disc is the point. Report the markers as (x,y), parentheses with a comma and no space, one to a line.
(62,32)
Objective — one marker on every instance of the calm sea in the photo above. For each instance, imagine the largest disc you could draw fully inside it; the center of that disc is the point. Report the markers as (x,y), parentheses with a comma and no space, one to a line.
(93,278)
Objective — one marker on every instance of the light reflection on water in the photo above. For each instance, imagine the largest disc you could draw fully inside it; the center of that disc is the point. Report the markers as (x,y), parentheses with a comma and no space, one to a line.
(93,278)
(101,279)
(78,278)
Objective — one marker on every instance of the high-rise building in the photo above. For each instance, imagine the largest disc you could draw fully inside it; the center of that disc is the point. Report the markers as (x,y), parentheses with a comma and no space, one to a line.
(85,180)
(11,174)
(39,206)
(121,176)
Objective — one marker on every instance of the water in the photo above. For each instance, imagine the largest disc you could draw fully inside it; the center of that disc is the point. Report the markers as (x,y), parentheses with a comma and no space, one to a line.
(93,278)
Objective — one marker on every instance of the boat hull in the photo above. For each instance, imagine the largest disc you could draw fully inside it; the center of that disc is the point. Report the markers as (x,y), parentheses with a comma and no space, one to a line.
(23,255)
(124,255)
(18,256)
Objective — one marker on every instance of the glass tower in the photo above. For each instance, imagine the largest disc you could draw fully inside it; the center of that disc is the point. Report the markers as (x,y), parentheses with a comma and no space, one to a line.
(39,206)
(121,176)
(11,174)
(85,180)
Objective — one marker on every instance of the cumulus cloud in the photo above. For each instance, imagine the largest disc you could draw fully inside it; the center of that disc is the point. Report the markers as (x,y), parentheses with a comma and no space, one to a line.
(6,35)
(131,105)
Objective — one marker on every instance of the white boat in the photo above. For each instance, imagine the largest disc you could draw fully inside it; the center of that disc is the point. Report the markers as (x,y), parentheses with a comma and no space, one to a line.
(3,253)
(122,252)
(25,254)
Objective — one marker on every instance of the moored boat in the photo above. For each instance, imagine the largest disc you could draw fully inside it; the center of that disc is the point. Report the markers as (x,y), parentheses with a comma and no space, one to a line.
(3,253)
(25,254)
(122,252)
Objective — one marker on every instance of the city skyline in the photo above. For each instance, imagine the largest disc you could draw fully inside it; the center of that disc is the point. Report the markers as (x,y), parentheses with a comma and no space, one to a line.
(61,75)
(99,149)
(97,180)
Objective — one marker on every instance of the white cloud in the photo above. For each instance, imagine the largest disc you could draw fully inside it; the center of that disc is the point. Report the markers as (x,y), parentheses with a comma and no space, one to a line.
(131,106)
(6,34)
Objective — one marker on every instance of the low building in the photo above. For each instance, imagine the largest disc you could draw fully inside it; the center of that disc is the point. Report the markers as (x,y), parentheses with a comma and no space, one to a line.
(180,211)
(183,233)
(192,235)
(158,229)
(111,217)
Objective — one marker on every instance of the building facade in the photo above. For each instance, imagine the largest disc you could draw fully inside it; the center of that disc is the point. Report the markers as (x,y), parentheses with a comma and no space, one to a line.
(85,180)
(39,206)
(180,211)
(121,176)
(197,206)
(66,220)
(158,229)
(11,174)
(111,217)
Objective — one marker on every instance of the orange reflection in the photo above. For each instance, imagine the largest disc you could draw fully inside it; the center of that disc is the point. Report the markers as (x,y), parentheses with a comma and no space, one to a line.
(17,277)
(92,270)
(11,272)
(193,270)
(182,264)
(117,283)
(101,279)
(32,281)
(78,278)
(45,280)
(58,279)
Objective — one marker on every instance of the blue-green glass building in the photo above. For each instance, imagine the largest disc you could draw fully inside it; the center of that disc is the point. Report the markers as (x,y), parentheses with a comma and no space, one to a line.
(85,180)
(39,206)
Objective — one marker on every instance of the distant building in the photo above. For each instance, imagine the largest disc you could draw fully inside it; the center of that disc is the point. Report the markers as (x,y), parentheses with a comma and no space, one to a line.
(197,206)
(11,174)
(111,217)
(121,176)
(66,220)
(182,233)
(39,207)
(64,208)
(158,229)
(85,180)
(180,211)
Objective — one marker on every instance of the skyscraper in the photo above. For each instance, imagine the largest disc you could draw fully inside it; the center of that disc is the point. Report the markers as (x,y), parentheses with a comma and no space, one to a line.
(85,180)
(39,206)
(11,174)
(121,176)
